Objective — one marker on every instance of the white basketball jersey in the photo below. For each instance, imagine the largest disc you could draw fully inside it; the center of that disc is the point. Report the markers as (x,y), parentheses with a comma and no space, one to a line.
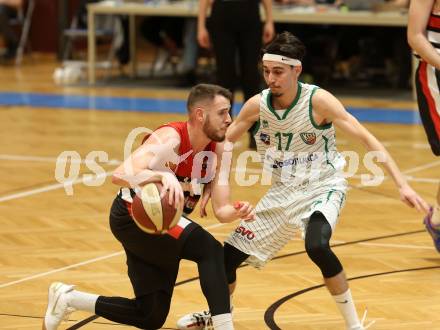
(294,148)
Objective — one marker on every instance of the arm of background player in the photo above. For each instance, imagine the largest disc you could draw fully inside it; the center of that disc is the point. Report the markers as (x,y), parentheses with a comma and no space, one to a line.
(224,209)
(202,31)
(148,163)
(268,28)
(418,17)
(327,106)
(248,115)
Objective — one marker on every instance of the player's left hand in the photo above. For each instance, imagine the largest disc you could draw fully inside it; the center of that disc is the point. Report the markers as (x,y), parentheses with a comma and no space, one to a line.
(412,199)
(245,210)
(206,195)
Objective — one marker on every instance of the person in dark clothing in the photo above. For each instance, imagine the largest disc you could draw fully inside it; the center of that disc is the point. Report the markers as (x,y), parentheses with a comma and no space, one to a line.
(9,10)
(235,29)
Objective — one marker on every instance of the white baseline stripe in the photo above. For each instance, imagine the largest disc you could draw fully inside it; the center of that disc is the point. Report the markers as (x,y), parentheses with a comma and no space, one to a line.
(57,270)
(50,159)
(400,246)
(407,177)
(50,187)
(422,167)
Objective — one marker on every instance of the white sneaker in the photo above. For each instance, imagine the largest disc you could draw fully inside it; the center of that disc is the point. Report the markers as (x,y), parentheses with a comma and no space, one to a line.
(57,307)
(195,321)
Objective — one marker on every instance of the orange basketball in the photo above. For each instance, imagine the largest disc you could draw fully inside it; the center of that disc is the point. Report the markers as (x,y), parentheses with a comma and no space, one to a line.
(151,213)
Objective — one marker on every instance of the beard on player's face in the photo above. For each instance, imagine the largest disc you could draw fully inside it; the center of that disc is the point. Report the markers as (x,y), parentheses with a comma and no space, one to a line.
(213,132)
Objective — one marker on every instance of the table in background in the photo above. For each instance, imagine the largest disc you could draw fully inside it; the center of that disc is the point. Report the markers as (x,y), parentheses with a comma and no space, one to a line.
(190,9)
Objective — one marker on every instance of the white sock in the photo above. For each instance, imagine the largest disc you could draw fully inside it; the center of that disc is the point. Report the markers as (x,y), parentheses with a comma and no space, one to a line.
(435,219)
(345,304)
(223,322)
(82,301)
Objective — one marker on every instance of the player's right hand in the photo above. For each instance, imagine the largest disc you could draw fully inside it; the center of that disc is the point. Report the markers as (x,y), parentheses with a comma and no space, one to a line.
(203,38)
(412,199)
(171,185)
(245,210)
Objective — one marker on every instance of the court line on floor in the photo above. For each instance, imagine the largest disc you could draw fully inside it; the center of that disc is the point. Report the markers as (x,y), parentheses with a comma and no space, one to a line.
(404,246)
(269,314)
(44,159)
(79,264)
(94,317)
(57,270)
(390,245)
(53,187)
(57,186)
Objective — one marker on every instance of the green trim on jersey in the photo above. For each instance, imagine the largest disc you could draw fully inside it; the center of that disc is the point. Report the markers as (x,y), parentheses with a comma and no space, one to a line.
(322,127)
(329,194)
(256,128)
(295,101)
(326,151)
(342,199)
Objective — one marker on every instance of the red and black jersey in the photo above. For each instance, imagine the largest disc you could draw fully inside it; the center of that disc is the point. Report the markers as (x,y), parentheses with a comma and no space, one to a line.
(184,169)
(427,85)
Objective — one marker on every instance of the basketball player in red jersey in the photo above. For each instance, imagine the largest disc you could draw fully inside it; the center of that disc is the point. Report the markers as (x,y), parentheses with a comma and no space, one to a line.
(153,260)
(423,37)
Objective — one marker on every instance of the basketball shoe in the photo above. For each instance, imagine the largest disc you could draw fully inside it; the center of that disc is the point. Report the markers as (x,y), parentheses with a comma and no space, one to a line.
(57,306)
(196,321)
(434,231)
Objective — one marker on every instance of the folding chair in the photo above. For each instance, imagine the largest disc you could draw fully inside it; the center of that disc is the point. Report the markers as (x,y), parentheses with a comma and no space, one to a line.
(78,31)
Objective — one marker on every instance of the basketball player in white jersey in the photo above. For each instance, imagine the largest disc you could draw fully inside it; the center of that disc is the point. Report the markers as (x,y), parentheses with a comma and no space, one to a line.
(295,134)
(424,39)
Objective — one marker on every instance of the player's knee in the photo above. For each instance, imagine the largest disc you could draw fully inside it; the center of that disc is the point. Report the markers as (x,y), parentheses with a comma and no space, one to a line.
(153,311)
(321,254)
(317,244)
(153,322)
(317,241)
(202,246)
(149,319)
(214,249)
(316,250)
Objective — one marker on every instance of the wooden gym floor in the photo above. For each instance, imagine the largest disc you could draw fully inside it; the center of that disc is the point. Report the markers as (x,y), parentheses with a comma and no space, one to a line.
(48,236)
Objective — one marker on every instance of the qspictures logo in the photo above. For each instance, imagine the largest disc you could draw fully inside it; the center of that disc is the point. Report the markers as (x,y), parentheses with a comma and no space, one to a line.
(70,165)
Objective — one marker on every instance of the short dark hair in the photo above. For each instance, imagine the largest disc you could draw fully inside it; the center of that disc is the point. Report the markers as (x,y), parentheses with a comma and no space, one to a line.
(202,92)
(286,44)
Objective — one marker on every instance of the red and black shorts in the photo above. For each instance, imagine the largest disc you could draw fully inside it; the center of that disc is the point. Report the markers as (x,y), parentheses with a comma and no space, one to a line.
(428,98)
(152,260)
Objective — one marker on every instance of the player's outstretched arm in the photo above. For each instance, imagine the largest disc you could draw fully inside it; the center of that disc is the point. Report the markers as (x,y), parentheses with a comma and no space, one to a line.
(150,163)
(328,108)
(418,17)
(224,209)
(248,115)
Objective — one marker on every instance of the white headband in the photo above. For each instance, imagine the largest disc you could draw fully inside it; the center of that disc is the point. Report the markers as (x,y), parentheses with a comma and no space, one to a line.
(281,59)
